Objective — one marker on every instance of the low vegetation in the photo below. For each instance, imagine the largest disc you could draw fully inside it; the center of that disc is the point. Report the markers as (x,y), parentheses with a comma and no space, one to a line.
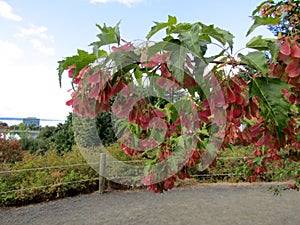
(38,178)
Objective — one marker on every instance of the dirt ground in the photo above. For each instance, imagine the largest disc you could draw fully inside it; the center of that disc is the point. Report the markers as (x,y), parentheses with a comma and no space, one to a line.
(214,204)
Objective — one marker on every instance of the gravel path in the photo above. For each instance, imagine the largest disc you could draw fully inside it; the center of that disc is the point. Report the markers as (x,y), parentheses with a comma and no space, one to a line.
(209,204)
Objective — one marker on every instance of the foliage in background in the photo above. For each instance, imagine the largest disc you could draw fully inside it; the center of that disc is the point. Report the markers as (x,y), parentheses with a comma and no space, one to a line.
(38,144)
(61,137)
(64,136)
(51,180)
(47,184)
(24,127)
(10,150)
(105,129)
(89,133)
(289,13)
(3,125)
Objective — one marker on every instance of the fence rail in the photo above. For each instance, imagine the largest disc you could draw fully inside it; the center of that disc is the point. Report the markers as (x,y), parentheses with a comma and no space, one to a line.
(47,168)
(102,177)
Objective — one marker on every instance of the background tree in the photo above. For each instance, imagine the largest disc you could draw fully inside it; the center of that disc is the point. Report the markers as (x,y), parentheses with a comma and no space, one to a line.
(64,136)
(3,124)
(105,129)
(287,10)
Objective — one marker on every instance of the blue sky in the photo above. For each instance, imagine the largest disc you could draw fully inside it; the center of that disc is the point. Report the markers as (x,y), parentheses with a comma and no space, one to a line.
(34,35)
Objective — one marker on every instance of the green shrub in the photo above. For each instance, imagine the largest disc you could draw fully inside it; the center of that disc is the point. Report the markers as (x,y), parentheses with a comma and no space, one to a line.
(55,182)
(231,164)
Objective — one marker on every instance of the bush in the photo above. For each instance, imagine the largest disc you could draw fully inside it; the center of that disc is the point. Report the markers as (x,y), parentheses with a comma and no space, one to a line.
(232,165)
(55,182)
(10,150)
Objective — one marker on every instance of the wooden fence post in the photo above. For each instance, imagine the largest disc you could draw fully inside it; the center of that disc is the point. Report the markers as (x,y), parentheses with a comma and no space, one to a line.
(102,173)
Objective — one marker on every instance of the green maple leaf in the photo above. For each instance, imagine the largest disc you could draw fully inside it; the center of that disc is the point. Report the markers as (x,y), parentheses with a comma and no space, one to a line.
(274,106)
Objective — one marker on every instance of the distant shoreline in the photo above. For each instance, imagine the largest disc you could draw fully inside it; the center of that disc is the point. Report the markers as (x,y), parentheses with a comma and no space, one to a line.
(43,122)
(15,118)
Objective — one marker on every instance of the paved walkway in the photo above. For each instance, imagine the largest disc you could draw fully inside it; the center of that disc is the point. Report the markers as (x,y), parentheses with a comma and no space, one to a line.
(209,204)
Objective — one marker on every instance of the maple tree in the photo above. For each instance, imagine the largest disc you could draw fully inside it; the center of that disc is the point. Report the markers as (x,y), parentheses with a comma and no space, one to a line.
(177,114)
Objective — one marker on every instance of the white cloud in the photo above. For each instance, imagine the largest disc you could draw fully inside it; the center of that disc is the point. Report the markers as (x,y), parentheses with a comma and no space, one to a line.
(125,2)
(32,90)
(37,36)
(6,12)
(9,51)
(40,32)
(39,45)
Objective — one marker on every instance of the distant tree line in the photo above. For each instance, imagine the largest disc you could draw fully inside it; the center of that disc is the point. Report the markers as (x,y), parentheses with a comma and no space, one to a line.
(61,138)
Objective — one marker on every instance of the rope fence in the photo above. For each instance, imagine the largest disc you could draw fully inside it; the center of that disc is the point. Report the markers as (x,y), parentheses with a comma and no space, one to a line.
(102,165)
(46,168)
